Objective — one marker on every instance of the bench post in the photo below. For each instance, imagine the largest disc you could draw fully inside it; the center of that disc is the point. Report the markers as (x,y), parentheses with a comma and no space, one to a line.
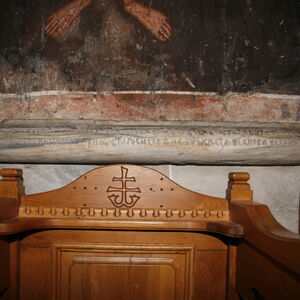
(238,187)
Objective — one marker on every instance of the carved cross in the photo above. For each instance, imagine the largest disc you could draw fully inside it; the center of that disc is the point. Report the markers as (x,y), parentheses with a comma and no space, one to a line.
(121,198)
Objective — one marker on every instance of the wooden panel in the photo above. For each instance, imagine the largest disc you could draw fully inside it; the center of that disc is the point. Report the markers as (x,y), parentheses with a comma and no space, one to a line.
(46,238)
(127,275)
(9,269)
(124,186)
(123,197)
(231,273)
(258,274)
(265,233)
(8,208)
(82,264)
(4,266)
(35,272)
(123,265)
(18,225)
(210,275)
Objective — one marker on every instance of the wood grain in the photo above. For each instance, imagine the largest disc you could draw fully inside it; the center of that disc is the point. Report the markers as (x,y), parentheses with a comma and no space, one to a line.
(128,232)
(258,274)
(122,265)
(4,266)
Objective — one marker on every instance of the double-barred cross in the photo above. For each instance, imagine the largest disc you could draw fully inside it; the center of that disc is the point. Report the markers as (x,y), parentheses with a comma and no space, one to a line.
(124,189)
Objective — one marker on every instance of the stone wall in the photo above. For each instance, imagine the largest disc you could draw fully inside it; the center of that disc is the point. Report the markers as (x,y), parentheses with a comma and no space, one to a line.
(151,106)
(145,127)
(191,129)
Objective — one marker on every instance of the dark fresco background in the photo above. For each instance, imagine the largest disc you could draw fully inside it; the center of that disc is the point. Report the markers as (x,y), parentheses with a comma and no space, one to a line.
(217,45)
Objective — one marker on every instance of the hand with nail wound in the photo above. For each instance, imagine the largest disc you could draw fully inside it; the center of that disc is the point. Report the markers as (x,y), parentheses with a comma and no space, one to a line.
(61,21)
(153,20)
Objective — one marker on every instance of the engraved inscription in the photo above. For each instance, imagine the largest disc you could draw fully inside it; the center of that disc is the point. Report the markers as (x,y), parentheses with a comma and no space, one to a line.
(217,137)
(123,196)
(195,144)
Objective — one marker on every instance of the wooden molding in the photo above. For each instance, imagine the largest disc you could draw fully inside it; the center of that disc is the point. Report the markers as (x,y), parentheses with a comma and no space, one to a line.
(127,213)
(126,197)
(266,234)
(11,190)
(114,186)
(238,187)
(133,224)
(11,185)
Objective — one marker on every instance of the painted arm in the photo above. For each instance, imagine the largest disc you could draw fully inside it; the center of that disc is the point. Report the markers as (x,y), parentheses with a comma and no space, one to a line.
(153,20)
(60,21)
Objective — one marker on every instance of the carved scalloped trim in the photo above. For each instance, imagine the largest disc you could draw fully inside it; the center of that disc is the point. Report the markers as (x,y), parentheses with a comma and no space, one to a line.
(123,213)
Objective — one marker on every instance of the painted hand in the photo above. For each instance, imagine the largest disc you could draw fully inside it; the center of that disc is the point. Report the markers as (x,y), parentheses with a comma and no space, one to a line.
(153,20)
(59,22)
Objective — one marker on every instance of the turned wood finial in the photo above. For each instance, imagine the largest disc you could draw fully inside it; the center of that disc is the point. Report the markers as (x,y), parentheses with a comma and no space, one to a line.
(11,185)
(238,187)
(11,174)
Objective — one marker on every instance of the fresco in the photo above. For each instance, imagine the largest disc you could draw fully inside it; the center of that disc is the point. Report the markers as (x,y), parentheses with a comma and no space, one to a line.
(112,45)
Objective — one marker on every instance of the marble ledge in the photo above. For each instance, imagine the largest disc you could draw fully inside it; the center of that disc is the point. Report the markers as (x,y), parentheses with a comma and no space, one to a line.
(97,142)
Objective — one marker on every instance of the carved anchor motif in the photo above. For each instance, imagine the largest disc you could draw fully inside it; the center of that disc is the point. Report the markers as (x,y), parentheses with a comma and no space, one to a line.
(120,195)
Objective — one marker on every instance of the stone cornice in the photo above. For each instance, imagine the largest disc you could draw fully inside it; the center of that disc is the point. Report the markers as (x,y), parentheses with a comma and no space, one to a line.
(149,142)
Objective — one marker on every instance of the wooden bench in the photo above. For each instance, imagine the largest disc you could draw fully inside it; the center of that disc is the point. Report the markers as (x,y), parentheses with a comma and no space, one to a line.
(129,232)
